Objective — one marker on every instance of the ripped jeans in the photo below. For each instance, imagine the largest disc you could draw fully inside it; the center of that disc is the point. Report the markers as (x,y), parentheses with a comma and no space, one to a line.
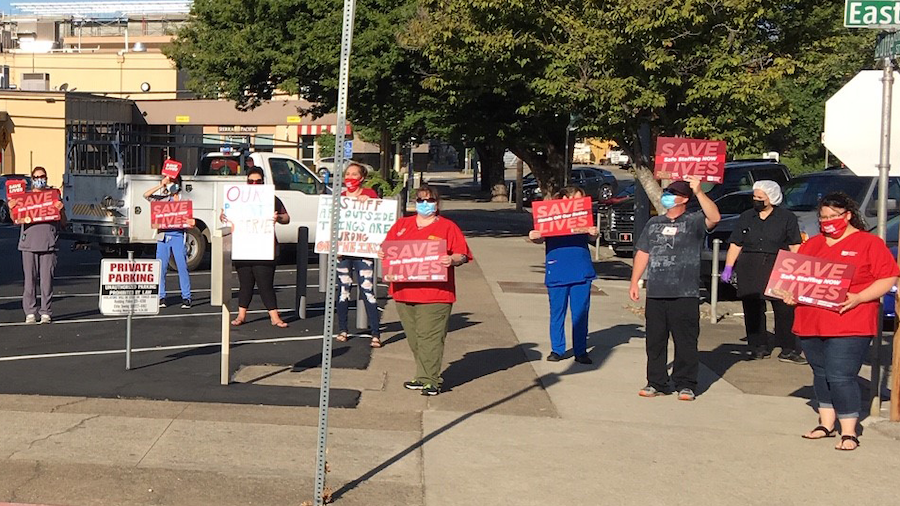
(365,271)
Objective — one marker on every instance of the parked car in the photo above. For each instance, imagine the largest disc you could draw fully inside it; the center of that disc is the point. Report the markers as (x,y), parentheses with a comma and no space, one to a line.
(598,183)
(802,195)
(4,209)
(617,227)
(730,207)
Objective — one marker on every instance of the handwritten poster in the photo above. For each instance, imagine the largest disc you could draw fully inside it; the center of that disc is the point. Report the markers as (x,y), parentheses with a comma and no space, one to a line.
(363,225)
(250,210)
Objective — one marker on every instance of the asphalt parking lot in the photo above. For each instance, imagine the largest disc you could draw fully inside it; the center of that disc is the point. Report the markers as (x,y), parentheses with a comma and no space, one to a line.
(176,354)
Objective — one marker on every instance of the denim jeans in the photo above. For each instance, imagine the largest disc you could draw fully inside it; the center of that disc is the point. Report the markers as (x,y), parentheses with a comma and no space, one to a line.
(835,362)
(365,271)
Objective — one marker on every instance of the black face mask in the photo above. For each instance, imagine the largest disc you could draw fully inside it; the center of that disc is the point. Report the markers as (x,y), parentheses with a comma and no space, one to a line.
(759,205)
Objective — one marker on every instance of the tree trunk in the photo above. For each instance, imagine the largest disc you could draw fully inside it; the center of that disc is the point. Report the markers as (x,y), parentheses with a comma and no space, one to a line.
(549,167)
(492,175)
(386,154)
(643,171)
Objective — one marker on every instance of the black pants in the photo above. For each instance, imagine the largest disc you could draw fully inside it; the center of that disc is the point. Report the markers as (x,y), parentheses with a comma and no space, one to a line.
(681,318)
(755,323)
(260,273)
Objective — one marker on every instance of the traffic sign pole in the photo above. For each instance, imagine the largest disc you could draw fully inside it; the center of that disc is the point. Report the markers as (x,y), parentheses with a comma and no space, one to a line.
(884,169)
(128,323)
(339,158)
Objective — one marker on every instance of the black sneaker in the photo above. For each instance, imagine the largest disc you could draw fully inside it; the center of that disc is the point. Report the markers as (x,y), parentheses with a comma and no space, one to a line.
(584,359)
(162,302)
(186,304)
(760,353)
(553,357)
(431,390)
(414,385)
(792,357)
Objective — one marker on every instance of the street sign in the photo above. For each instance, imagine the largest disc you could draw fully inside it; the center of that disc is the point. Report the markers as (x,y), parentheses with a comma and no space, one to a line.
(348,149)
(853,124)
(879,14)
(129,287)
(887,45)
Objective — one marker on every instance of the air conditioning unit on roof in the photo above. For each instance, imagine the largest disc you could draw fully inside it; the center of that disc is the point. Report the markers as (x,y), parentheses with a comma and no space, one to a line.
(36,81)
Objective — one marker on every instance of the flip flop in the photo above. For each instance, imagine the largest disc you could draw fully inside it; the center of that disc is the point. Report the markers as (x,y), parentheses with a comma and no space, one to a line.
(236,322)
(281,325)
(342,337)
(376,343)
(823,429)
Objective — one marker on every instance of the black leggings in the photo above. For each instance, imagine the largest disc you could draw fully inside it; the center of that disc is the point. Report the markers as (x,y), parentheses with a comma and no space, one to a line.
(262,274)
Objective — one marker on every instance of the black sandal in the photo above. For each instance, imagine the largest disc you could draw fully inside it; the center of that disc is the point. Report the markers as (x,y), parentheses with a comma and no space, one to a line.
(847,437)
(823,429)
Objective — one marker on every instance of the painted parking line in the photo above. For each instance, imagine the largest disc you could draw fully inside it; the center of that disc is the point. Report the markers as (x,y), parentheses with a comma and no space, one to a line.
(57,295)
(150,317)
(157,348)
(173,274)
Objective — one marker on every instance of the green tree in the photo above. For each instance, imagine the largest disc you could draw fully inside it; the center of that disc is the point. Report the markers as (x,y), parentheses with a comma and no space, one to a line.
(250,50)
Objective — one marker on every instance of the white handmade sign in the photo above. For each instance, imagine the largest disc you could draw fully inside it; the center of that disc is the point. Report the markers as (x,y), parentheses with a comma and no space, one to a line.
(363,225)
(250,210)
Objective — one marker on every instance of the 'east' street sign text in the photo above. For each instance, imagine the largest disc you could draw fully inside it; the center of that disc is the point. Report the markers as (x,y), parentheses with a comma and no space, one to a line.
(872,14)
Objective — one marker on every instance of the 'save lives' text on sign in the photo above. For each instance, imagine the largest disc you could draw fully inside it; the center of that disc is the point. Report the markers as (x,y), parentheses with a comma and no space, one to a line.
(677,159)
(563,216)
(810,280)
(414,261)
(171,215)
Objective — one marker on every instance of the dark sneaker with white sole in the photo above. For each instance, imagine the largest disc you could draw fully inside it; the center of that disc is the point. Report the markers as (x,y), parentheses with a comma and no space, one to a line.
(431,390)
(792,358)
(414,385)
(186,304)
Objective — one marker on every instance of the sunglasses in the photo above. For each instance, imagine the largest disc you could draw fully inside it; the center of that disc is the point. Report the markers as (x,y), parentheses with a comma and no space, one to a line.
(431,200)
(254,181)
(40,177)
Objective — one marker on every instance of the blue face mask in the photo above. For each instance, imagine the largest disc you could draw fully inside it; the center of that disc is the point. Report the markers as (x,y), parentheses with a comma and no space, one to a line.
(668,200)
(173,188)
(426,209)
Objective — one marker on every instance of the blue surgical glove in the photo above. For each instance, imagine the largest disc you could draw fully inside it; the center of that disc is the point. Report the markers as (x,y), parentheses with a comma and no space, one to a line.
(726,273)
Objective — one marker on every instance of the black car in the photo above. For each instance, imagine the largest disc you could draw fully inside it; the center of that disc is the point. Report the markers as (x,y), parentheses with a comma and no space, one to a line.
(598,183)
(617,223)
(4,209)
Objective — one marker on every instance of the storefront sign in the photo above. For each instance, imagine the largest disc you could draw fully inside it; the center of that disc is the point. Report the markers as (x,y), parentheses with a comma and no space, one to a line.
(129,287)
(677,159)
(171,168)
(420,261)
(363,225)
(250,209)
(238,129)
(36,207)
(563,216)
(810,280)
(172,215)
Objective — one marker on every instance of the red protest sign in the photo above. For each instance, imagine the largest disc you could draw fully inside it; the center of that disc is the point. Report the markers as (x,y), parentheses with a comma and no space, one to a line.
(676,159)
(14,187)
(562,217)
(414,261)
(171,168)
(171,215)
(36,207)
(810,280)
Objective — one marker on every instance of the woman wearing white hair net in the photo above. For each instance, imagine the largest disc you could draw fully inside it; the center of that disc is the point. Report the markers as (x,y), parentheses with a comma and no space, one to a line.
(758,236)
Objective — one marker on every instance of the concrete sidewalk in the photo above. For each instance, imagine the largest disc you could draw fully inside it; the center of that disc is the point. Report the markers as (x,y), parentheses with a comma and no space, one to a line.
(511,429)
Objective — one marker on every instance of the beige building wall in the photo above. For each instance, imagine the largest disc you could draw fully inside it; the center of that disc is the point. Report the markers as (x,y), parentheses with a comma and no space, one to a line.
(35,133)
(119,75)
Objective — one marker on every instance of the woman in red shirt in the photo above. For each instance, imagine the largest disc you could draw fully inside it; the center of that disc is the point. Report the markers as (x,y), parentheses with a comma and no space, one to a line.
(354,176)
(424,307)
(836,342)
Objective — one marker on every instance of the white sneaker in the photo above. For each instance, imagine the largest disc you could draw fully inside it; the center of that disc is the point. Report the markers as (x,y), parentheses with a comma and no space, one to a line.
(45,318)
(30,319)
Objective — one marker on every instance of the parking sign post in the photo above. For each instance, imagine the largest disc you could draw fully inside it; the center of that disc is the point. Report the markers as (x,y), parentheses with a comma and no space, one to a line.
(129,287)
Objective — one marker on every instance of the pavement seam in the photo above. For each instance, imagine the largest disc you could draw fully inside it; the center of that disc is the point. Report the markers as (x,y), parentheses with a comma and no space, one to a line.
(79,425)
(38,470)
(422,456)
(161,434)
(67,404)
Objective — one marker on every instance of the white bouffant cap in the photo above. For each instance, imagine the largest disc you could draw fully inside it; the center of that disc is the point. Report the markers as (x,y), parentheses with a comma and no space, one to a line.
(771,189)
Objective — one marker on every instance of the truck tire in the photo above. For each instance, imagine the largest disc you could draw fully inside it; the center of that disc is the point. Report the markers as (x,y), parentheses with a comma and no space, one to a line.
(4,213)
(195,245)
(605,192)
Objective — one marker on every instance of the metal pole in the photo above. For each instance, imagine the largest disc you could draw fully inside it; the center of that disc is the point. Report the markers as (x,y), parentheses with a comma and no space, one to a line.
(346,43)
(323,272)
(884,169)
(361,312)
(597,241)
(128,321)
(714,283)
(302,271)
(520,194)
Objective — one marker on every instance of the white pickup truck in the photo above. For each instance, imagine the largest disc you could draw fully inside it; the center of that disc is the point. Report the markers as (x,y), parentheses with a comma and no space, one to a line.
(108,209)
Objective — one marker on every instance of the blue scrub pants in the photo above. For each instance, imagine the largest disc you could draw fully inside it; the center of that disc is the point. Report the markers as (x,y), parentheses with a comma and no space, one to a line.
(173,244)
(579,297)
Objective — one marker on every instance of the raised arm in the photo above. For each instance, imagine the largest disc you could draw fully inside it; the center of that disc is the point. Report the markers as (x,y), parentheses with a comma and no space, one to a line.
(710,210)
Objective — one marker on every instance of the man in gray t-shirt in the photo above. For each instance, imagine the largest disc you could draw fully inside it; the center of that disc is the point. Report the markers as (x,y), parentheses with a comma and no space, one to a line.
(669,250)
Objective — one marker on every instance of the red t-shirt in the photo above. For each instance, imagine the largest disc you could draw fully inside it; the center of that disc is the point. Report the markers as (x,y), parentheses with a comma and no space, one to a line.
(405,229)
(873,261)
(368,192)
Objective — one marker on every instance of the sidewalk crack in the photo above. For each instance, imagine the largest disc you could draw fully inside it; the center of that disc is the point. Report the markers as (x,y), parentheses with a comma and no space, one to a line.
(161,434)
(67,404)
(79,425)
